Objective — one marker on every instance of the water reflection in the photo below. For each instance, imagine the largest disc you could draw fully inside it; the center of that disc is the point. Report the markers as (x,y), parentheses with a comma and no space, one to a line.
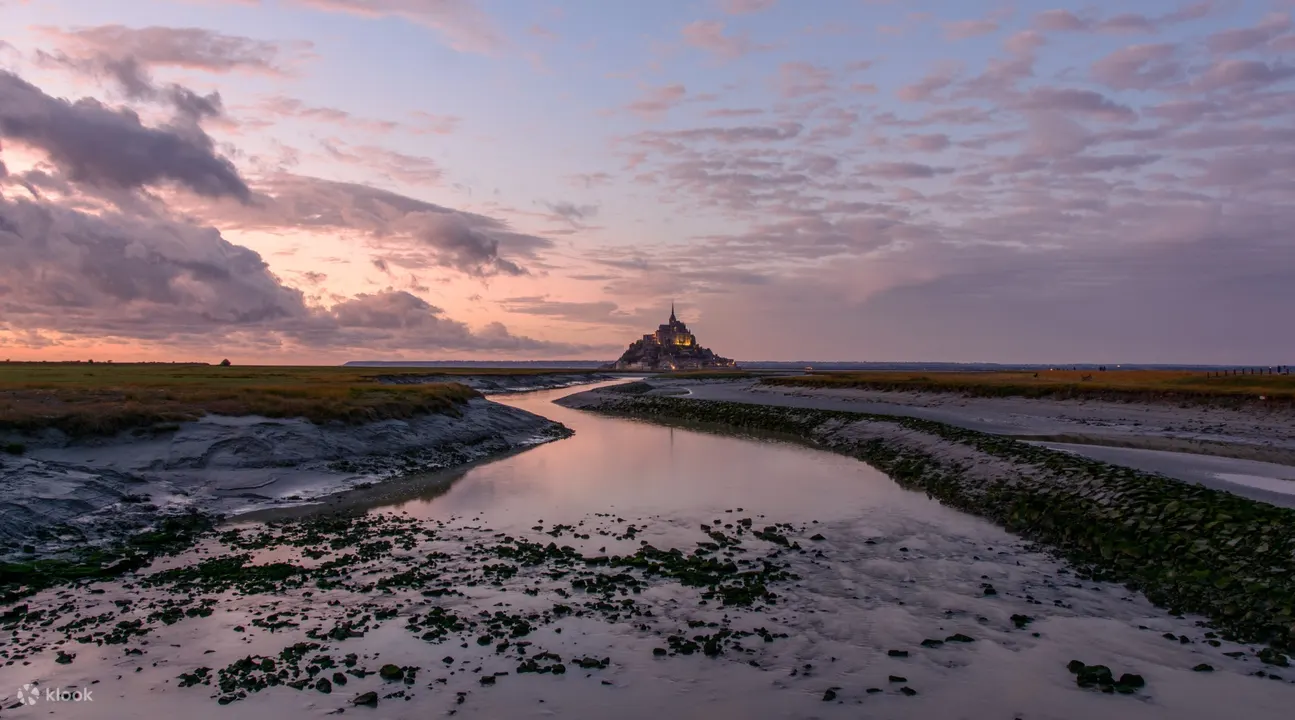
(640,468)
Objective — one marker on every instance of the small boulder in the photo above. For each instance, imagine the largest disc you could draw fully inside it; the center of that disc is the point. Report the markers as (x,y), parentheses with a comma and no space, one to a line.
(1132,680)
(369,698)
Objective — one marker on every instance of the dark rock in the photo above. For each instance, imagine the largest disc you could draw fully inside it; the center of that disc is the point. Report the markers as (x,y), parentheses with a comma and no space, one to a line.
(1270,656)
(959,637)
(1091,675)
(897,653)
(898,678)
(324,686)
(908,691)
(817,536)
(391,673)
(829,695)
(1132,680)
(1204,667)
(369,698)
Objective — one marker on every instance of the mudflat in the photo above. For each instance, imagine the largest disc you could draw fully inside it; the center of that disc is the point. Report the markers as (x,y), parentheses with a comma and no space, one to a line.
(1218,446)
(92,452)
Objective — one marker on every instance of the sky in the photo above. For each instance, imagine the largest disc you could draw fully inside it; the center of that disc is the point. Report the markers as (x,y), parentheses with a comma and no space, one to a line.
(314,181)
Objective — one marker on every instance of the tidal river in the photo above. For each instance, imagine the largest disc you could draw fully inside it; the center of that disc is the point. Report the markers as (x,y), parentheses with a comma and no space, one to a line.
(901,608)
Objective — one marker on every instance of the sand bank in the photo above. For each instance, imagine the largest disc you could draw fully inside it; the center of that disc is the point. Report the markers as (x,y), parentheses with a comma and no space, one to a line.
(63,491)
(1192,443)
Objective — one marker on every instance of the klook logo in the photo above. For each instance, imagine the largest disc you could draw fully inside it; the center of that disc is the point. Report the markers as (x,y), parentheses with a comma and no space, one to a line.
(28,694)
(59,694)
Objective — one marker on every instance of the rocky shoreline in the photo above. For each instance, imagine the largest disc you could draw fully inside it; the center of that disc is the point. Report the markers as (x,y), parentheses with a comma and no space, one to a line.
(63,493)
(1188,548)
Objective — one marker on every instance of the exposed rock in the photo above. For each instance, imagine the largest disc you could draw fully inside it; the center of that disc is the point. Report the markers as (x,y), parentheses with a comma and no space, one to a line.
(671,347)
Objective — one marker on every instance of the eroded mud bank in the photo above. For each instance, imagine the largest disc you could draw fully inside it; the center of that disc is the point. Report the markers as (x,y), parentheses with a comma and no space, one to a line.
(65,492)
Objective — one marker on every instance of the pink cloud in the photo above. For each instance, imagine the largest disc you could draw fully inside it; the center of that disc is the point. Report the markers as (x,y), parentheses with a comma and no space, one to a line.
(797,79)
(656,102)
(1231,74)
(962,29)
(709,35)
(928,143)
(1127,23)
(745,7)
(1080,102)
(1060,21)
(734,112)
(1024,42)
(900,170)
(928,86)
(1138,67)
(465,26)
(1237,40)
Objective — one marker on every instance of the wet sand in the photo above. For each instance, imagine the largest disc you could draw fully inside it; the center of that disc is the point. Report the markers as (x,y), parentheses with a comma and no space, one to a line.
(1208,446)
(892,568)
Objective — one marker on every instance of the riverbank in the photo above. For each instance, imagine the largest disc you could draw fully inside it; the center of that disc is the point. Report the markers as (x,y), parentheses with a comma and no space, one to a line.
(1257,433)
(1249,452)
(92,453)
(65,492)
(1188,548)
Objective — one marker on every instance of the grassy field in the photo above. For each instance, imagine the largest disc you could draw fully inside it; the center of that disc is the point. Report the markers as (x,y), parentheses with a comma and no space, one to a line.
(708,374)
(101,398)
(1112,384)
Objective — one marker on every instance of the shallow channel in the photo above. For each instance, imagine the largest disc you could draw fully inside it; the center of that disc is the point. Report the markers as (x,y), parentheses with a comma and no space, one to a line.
(893,568)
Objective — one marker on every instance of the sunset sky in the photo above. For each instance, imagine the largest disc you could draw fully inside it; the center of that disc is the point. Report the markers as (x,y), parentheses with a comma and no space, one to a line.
(296,181)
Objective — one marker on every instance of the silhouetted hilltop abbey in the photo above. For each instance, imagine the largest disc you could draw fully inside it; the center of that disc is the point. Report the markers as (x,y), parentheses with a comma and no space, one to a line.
(671,347)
